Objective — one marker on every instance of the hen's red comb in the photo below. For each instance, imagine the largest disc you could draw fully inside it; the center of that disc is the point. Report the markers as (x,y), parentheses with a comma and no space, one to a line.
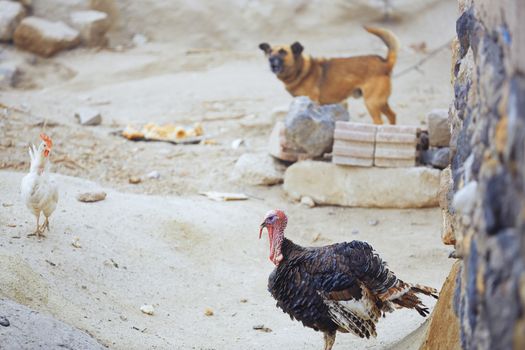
(48,141)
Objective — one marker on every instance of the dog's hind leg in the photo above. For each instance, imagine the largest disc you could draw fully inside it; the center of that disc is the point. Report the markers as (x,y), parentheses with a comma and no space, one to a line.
(375,111)
(390,114)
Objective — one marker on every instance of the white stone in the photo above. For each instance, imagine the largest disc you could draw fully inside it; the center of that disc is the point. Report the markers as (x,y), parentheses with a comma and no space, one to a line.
(11,13)
(257,169)
(43,37)
(154,175)
(92,26)
(328,183)
(88,116)
(307,201)
(147,309)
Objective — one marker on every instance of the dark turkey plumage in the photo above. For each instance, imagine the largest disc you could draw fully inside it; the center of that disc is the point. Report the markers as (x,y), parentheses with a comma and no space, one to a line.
(342,287)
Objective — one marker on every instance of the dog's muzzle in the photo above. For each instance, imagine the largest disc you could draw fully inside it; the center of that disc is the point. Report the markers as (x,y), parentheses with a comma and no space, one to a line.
(276,64)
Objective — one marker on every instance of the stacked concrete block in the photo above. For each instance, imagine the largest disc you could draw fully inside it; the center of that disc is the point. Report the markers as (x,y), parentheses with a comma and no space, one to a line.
(354,144)
(395,146)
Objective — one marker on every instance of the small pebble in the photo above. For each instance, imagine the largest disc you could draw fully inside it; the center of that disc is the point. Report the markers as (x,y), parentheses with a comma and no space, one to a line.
(4,321)
(208,312)
(147,309)
(262,328)
(355,231)
(76,243)
(89,197)
(244,300)
(134,180)
(154,175)
(373,222)
(307,201)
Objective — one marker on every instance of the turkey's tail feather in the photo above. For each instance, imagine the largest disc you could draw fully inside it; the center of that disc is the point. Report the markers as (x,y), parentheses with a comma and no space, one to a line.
(356,316)
(405,295)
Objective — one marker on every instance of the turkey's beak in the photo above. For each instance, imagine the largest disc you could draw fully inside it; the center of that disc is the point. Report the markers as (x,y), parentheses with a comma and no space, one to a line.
(263,225)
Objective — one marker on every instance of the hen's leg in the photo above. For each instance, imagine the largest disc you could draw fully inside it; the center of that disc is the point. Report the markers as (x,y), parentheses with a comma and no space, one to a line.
(45,225)
(38,228)
(329,340)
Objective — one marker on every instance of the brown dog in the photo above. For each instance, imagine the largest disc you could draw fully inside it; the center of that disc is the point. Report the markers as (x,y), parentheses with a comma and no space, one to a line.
(334,80)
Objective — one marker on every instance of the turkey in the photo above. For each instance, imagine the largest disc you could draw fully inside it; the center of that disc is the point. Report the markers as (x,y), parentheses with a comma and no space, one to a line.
(39,192)
(343,287)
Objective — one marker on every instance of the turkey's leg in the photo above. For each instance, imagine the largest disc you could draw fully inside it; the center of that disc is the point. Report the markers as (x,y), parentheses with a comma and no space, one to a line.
(329,340)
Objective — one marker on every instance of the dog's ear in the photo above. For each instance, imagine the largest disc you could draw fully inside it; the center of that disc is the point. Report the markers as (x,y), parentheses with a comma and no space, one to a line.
(297,48)
(265,47)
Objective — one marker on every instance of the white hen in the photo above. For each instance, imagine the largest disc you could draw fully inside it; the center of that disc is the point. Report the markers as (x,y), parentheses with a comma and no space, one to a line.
(39,191)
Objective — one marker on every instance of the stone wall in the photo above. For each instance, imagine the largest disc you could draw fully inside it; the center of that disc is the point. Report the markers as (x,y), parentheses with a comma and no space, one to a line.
(484,201)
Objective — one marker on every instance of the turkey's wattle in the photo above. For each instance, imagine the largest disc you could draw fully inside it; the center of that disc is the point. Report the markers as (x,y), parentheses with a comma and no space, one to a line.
(343,287)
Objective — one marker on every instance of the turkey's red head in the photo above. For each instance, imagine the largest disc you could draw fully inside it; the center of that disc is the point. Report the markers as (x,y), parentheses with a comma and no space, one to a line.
(275,223)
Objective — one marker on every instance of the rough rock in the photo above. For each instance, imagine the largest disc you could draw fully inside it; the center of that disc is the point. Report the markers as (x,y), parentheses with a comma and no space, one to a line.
(88,116)
(310,127)
(30,329)
(307,202)
(43,37)
(438,128)
(328,183)
(59,10)
(89,197)
(443,331)
(11,13)
(277,145)
(8,75)
(92,26)
(436,157)
(257,169)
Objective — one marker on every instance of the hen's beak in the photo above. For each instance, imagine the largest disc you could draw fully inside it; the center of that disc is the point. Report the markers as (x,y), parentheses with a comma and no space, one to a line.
(263,225)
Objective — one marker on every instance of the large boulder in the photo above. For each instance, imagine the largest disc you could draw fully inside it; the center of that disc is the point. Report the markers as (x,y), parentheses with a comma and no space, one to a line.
(309,127)
(11,13)
(45,38)
(23,328)
(443,331)
(257,169)
(328,183)
(92,26)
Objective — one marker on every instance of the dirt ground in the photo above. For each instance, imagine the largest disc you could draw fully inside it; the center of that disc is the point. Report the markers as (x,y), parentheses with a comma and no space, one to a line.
(159,242)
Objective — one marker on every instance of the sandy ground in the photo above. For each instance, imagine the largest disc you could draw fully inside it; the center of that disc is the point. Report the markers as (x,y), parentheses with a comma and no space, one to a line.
(176,250)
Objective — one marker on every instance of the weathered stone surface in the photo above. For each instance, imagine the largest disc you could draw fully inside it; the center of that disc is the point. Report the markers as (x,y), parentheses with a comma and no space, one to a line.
(29,329)
(438,128)
(11,13)
(257,169)
(436,157)
(88,116)
(277,145)
(59,10)
(488,168)
(92,26)
(309,127)
(8,75)
(43,37)
(328,183)
(443,331)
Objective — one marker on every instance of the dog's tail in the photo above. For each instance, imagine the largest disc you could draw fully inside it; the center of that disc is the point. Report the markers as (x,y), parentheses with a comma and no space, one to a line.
(390,41)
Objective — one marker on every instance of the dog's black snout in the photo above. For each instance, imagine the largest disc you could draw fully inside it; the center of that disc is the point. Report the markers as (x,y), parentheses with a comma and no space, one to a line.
(276,64)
